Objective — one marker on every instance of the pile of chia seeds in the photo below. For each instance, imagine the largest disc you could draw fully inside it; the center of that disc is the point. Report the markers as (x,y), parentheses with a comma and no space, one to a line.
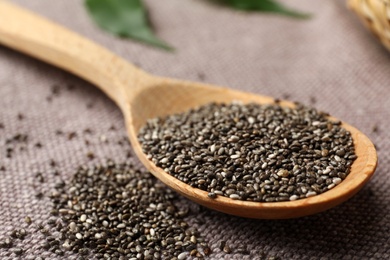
(262,153)
(111,211)
(118,212)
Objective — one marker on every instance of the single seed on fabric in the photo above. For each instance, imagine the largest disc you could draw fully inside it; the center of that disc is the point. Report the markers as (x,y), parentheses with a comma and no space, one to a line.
(20,116)
(22,233)
(207,250)
(18,251)
(8,242)
(14,233)
(242,250)
(45,231)
(375,129)
(221,245)
(227,249)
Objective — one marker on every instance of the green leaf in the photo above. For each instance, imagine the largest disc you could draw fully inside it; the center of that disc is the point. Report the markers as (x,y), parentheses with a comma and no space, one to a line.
(125,18)
(265,6)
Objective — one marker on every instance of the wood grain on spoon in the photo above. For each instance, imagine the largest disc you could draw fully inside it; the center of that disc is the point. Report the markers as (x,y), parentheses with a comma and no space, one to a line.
(142,96)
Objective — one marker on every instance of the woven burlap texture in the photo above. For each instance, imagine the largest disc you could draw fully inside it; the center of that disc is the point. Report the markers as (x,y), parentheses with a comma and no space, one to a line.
(330,61)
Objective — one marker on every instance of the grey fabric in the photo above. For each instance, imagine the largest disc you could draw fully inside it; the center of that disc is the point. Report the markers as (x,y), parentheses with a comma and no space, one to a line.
(330,59)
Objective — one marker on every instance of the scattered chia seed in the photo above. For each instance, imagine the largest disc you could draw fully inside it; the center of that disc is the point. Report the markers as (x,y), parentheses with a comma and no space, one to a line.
(55,90)
(52,163)
(22,233)
(207,250)
(87,131)
(18,251)
(20,116)
(39,177)
(7,243)
(375,129)
(71,135)
(28,220)
(39,195)
(70,87)
(14,234)
(221,245)
(264,153)
(201,76)
(242,250)
(45,231)
(90,155)
(227,249)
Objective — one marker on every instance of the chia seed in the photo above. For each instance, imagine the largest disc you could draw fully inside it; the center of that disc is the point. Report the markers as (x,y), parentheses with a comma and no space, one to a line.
(263,153)
(28,220)
(227,249)
(18,251)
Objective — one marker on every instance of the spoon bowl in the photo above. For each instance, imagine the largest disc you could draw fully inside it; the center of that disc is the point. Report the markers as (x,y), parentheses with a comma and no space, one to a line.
(142,96)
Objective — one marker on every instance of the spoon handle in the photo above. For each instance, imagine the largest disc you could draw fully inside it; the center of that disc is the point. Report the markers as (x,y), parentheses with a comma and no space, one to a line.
(38,37)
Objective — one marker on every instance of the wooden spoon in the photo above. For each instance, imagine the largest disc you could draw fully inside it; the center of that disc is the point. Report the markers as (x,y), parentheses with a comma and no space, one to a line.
(142,96)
